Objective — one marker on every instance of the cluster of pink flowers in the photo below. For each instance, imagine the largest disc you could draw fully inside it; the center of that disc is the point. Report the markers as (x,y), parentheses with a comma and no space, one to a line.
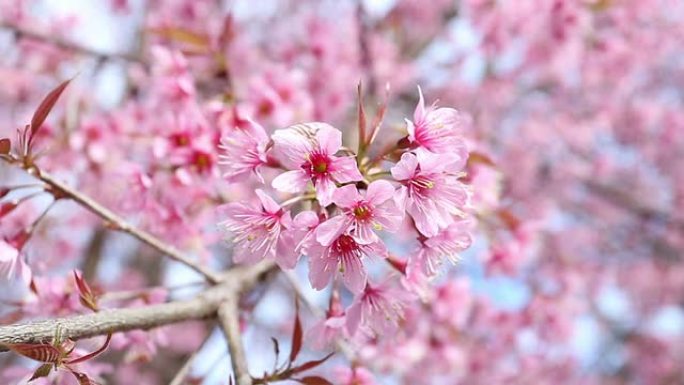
(342,209)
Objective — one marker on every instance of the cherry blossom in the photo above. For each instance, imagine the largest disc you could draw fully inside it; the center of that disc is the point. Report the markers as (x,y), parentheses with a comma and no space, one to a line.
(244,152)
(431,194)
(362,215)
(344,255)
(259,231)
(308,150)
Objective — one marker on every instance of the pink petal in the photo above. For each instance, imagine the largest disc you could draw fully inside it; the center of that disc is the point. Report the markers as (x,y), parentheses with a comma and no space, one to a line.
(389,216)
(286,251)
(330,230)
(401,196)
(329,138)
(346,196)
(354,316)
(353,274)
(406,168)
(290,147)
(306,220)
(291,181)
(364,234)
(344,169)
(325,188)
(379,191)
(321,266)
(267,202)
(423,218)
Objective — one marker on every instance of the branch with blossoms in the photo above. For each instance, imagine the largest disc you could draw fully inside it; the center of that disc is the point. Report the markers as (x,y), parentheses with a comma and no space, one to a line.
(341,209)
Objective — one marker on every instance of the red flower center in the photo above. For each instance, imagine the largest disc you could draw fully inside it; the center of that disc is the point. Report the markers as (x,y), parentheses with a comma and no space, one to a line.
(318,165)
(362,211)
(345,245)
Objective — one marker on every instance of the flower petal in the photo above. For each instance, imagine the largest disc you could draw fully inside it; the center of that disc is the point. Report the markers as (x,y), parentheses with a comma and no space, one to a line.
(291,181)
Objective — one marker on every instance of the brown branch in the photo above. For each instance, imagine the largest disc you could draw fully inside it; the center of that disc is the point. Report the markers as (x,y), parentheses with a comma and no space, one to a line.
(229,317)
(205,305)
(72,46)
(106,321)
(119,223)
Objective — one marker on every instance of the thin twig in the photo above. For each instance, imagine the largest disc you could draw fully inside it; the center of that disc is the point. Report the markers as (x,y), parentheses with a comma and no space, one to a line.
(71,46)
(119,223)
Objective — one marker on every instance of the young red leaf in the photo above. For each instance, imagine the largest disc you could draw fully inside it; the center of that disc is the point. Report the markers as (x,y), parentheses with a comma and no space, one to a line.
(37,352)
(82,378)
(7,208)
(86,297)
(314,380)
(45,107)
(379,118)
(311,364)
(42,371)
(93,354)
(362,118)
(5,146)
(296,335)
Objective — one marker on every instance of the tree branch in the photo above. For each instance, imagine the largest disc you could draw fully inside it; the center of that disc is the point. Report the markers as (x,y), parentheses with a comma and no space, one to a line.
(229,317)
(106,321)
(205,305)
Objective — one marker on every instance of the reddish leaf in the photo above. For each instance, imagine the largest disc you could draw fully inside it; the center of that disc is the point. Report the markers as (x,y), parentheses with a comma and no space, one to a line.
(361,117)
(93,354)
(45,107)
(86,297)
(7,208)
(314,380)
(379,117)
(5,146)
(82,378)
(37,352)
(296,335)
(42,371)
(311,364)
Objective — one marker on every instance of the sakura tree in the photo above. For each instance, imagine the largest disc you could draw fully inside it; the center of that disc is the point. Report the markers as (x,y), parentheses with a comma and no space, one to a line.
(342,192)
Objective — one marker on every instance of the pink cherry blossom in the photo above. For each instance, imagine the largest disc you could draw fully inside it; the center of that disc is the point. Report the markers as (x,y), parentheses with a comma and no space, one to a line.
(243,152)
(356,375)
(378,308)
(259,232)
(431,193)
(362,215)
(437,130)
(446,244)
(343,254)
(325,331)
(308,150)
